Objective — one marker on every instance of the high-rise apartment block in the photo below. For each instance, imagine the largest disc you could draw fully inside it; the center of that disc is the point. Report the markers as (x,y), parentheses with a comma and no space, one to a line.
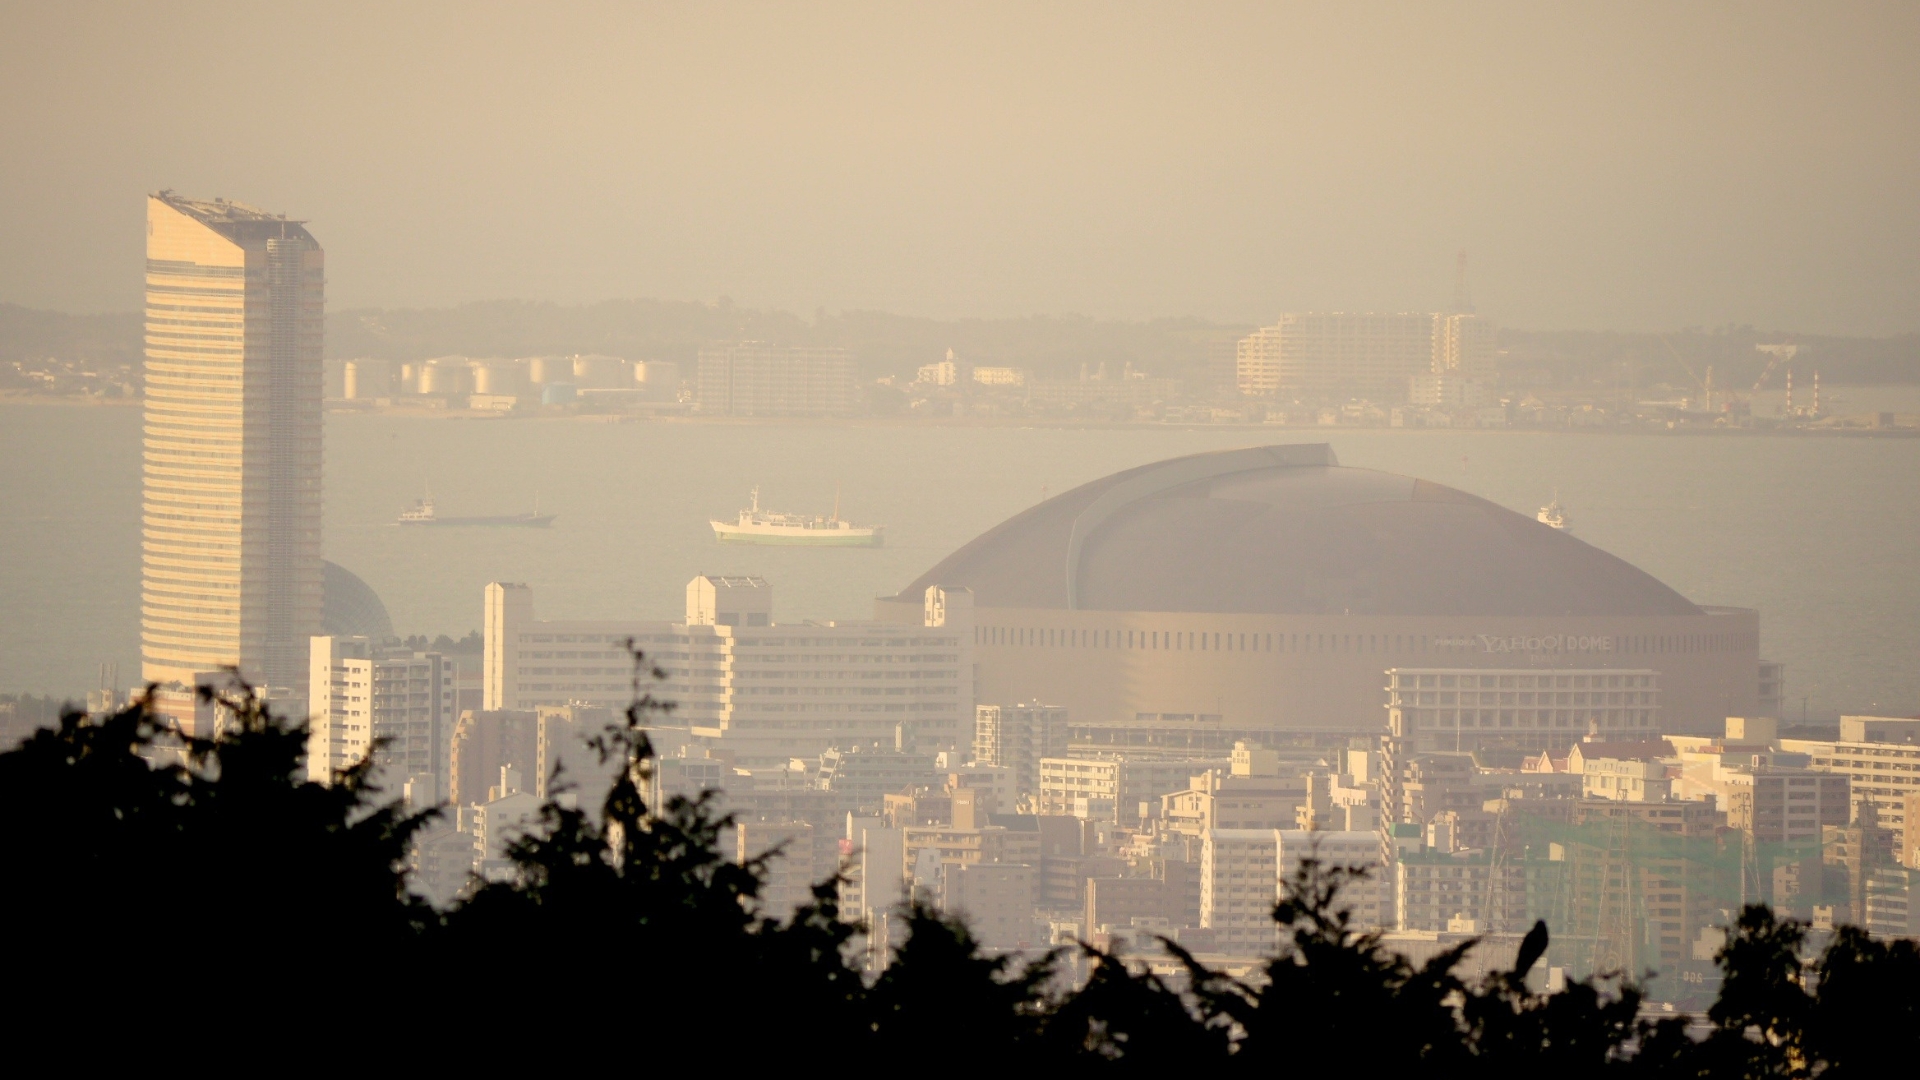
(360,693)
(230,551)
(753,378)
(1335,353)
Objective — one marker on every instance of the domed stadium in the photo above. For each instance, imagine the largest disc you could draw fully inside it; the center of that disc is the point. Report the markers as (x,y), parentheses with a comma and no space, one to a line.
(350,607)
(1271,589)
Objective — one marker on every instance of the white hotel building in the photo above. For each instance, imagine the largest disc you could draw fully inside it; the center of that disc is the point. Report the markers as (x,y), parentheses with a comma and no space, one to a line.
(737,680)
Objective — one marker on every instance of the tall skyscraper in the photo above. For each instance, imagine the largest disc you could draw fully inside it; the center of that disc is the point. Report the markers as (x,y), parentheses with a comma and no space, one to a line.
(230,538)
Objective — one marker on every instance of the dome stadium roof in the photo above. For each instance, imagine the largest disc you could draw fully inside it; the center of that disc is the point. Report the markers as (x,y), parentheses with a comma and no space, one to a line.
(349,606)
(1285,530)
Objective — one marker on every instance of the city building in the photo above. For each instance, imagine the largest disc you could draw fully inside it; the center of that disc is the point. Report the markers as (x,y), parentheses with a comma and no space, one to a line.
(1244,872)
(1253,792)
(1270,589)
(788,851)
(1368,896)
(1625,780)
(1438,889)
(766,692)
(498,823)
(1239,885)
(486,742)
(1777,805)
(360,694)
(1893,902)
(996,900)
(1632,880)
(230,534)
(1017,737)
(1000,376)
(1457,708)
(1437,389)
(754,378)
(1113,787)
(1880,757)
(861,777)
(1374,355)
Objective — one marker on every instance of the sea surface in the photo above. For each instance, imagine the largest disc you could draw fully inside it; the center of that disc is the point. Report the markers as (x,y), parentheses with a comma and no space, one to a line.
(1819,533)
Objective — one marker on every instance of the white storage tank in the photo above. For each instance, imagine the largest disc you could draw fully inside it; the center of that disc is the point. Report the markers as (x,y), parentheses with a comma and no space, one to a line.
(599,372)
(542,370)
(496,377)
(368,379)
(659,378)
(446,375)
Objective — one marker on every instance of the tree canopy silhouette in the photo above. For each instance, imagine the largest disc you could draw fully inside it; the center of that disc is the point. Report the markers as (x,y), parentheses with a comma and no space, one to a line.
(207,877)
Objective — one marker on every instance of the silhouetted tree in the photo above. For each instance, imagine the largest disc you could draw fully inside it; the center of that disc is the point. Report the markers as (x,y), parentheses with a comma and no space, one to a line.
(154,879)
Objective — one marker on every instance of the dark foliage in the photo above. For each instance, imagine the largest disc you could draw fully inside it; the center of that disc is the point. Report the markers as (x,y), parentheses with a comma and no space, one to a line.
(155,881)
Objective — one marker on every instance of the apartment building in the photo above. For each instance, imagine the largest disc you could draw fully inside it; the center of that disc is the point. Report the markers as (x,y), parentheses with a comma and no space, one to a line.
(1018,737)
(1113,787)
(764,691)
(360,693)
(755,378)
(1880,757)
(1373,355)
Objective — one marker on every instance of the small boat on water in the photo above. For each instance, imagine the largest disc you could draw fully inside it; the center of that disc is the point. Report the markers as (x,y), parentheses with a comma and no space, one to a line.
(1552,515)
(757,526)
(422,513)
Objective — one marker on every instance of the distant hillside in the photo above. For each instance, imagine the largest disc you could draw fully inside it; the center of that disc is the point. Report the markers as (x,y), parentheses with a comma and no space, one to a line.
(1569,358)
(28,334)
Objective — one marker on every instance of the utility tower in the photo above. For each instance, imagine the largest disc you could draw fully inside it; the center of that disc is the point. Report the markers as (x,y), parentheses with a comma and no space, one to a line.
(1462,296)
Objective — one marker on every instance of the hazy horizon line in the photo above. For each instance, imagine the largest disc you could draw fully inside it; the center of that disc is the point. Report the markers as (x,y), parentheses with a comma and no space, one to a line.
(814,320)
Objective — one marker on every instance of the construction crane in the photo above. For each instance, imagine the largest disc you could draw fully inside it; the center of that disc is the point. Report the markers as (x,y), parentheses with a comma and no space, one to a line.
(1782,354)
(1706,386)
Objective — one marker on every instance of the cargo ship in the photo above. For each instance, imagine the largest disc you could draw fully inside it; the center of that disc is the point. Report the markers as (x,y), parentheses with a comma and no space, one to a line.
(422,513)
(757,526)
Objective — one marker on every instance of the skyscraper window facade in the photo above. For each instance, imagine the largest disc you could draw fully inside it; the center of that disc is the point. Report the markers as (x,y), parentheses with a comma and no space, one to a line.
(230,510)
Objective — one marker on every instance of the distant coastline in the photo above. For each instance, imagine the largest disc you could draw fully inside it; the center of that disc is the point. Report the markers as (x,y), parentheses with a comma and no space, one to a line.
(1907,425)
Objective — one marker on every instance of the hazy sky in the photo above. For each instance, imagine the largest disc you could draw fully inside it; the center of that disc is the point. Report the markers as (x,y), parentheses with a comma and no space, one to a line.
(1610,166)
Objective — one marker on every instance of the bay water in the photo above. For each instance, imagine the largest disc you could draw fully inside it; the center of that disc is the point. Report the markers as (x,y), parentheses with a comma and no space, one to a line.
(1819,533)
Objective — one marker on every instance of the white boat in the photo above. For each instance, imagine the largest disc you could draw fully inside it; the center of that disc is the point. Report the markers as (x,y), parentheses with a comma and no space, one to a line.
(1552,515)
(757,526)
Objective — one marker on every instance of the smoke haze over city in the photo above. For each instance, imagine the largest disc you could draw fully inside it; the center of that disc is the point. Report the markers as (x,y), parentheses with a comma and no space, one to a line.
(1366,539)
(1609,166)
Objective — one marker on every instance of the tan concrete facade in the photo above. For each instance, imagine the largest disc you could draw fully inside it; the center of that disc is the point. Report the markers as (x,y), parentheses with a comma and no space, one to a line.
(230,552)
(1327,672)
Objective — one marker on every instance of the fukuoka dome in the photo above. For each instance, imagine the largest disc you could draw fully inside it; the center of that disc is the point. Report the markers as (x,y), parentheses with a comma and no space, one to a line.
(1270,591)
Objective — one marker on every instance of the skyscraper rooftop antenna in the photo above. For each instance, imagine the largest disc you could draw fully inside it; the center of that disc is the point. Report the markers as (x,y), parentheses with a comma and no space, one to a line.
(1462,295)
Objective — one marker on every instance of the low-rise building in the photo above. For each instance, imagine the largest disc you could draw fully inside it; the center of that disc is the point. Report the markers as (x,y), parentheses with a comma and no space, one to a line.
(1113,786)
